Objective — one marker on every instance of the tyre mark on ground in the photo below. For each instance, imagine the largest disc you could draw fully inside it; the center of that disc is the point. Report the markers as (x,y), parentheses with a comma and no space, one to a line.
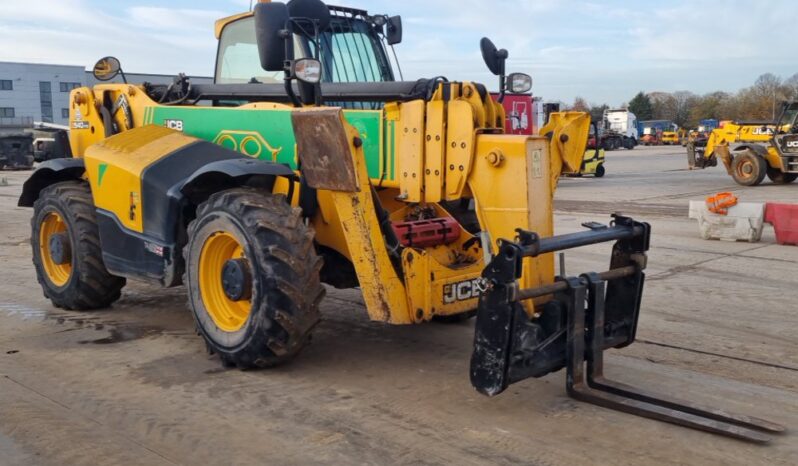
(89,418)
(628,208)
(724,356)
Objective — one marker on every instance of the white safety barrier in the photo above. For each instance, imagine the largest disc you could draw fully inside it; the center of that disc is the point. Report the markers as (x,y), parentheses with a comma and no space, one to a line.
(744,221)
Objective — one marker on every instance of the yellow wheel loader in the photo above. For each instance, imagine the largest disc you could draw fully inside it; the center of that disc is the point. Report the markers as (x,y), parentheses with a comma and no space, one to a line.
(750,151)
(670,138)
(313,165)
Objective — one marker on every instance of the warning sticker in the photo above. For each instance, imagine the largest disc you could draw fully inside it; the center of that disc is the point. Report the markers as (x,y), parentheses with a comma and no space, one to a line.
(536,168)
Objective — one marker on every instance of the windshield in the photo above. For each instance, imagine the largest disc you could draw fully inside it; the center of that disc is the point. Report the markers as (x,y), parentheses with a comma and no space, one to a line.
(788,122)
(351,52)
(237,60)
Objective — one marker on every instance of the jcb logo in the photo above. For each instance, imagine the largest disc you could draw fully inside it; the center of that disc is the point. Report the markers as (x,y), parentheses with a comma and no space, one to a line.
(176,125)
(461,291)
(763,131)
(792,144)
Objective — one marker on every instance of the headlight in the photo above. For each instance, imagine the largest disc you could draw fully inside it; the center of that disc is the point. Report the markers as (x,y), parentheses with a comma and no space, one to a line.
(307,70)
(518,83)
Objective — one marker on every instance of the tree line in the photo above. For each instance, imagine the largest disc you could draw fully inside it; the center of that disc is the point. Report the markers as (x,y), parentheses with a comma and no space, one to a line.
(757,102)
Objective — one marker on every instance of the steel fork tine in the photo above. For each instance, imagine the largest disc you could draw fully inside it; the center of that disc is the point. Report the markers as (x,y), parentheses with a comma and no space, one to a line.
(596,379)
(597,390)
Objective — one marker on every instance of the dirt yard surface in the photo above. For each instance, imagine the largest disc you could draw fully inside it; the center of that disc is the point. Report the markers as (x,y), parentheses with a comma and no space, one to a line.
(133,384)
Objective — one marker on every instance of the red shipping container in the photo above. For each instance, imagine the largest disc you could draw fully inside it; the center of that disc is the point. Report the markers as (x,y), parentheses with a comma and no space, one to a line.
(784,218)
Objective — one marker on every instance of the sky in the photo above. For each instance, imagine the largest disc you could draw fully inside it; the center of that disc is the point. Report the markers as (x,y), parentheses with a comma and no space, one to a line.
(604,52)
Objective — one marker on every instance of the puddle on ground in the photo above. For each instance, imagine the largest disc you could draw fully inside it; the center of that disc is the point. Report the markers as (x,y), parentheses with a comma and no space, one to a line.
(26,312)
(117,335)
(116,332)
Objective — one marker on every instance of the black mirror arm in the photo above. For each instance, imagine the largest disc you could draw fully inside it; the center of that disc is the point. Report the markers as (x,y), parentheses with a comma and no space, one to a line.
(287,35)
(502,57)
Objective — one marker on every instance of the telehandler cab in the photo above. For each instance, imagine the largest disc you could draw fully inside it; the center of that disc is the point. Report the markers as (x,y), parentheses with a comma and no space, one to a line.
(750,151)
(313,165)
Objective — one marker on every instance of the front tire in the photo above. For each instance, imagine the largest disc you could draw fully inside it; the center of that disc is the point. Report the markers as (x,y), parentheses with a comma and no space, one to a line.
(253,277)
(748,169)
(66,249)
(600,171)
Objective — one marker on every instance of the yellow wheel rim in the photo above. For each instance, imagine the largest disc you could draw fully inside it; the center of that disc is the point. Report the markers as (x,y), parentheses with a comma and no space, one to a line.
(745,169)
(227,314)
(52,224)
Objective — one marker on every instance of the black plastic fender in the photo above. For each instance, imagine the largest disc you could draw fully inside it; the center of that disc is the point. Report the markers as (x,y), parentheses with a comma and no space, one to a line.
(758,149)
(229,173)
(48,173)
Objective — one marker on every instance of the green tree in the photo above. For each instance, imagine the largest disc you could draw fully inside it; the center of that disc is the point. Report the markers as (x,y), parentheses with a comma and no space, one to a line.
(791,87)
(713,105)
(684,102)
(597,112)
(641,106)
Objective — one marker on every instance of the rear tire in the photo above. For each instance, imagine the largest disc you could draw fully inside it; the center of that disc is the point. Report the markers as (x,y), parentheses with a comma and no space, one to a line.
(272,321)
(748,169)
(779,177)
(600,171)
(76,279)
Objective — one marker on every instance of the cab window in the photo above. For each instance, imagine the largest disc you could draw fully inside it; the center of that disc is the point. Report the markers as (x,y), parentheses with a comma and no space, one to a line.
(350,52)
(237,61)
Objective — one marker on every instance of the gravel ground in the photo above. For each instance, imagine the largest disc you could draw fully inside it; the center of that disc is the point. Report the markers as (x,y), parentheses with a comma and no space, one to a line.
(133,384)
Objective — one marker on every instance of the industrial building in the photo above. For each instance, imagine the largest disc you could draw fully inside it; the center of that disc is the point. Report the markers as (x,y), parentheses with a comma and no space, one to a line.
(32,92)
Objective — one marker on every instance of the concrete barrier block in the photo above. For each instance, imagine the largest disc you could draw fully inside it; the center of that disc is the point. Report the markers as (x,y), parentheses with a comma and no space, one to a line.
(744,222)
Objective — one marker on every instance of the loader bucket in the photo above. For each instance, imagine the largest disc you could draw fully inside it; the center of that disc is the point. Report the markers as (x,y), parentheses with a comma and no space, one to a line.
(586,315)
(568,132)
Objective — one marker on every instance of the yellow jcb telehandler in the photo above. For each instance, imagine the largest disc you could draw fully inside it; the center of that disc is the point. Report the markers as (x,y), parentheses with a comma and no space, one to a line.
(313,165)
(752,150)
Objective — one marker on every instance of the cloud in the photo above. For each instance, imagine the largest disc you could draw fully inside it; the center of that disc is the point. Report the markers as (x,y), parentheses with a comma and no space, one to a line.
(603,51)
(174,19)
(146,39)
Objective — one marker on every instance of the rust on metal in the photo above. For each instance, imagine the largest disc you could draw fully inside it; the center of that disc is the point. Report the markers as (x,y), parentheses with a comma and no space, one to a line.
(323,148)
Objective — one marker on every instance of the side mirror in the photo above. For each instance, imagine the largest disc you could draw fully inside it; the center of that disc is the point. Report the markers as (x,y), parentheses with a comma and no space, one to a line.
(494,58)
(394,32)
(270,24)
(107,69)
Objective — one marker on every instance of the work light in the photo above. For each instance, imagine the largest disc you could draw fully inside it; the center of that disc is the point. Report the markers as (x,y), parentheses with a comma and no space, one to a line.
(307,70)
(518,83)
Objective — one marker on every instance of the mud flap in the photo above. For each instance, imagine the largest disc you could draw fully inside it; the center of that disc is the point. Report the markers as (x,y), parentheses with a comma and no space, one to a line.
(323,149)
